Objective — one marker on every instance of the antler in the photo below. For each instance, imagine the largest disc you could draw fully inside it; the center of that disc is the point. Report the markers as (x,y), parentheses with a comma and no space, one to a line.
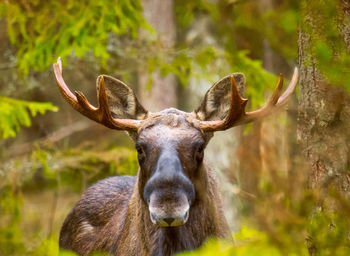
(236,113)
(101,114)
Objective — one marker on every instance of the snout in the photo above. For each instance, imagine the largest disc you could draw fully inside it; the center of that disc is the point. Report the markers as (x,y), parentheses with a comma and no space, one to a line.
(169,192)
(171,213)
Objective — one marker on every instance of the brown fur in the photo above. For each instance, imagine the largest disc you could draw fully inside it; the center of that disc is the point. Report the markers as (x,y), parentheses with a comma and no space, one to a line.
(120,224)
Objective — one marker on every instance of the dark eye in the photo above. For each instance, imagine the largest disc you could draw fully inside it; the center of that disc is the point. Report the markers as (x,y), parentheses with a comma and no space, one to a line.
(140,152)
(199,153)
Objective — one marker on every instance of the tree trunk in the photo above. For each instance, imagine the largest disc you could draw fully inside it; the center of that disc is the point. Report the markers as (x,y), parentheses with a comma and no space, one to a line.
(160,14)
(324,113)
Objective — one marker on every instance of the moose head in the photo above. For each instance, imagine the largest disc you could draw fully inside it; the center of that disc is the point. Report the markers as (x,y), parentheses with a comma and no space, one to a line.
(171,143)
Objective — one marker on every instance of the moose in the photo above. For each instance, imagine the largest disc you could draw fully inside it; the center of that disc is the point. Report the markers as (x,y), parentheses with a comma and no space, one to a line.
(174,203)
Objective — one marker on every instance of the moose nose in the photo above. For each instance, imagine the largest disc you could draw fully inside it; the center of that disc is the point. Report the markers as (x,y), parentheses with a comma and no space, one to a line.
(172,221)
(169,220)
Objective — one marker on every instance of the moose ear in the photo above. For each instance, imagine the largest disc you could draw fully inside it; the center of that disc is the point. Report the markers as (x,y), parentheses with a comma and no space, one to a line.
(216,102)
(122,100)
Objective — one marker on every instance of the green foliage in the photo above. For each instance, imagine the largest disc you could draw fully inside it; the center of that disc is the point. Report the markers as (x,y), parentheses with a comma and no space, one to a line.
(210,63)
(49,247)
(248,242)
(258,79)
(43,30)
(16,113)
(329,233)
(10,233)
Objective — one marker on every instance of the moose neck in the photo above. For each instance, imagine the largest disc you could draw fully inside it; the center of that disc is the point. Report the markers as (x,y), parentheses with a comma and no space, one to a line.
(202,222)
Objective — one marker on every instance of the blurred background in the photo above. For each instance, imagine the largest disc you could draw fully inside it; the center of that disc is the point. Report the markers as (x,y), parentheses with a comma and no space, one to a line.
(285,180)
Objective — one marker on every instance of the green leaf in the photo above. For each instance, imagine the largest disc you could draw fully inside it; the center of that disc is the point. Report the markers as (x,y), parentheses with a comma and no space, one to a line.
(16,113)
(52,28)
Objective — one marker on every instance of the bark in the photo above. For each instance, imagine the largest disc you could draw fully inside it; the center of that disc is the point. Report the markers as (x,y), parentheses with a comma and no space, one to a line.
(160,14)
(324,116)
(344,23)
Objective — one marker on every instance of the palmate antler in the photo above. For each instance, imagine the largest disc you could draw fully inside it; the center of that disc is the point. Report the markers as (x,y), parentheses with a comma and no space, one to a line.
(236,113)
(101,114)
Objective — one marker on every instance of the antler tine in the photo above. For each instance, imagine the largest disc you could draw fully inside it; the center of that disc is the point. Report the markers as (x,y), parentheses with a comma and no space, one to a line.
(236,110)
(101,114)
(290,89)
(236,114)
(276,101)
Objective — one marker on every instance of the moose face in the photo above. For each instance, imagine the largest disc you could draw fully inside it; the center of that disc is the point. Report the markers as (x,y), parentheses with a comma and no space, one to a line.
(170,152)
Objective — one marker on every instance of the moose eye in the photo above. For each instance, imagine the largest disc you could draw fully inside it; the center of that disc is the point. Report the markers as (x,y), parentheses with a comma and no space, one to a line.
(140,152)
(199,153)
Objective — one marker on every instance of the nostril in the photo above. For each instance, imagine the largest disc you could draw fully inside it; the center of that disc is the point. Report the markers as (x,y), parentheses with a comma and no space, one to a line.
(186,215)
(153,216)
(169,220)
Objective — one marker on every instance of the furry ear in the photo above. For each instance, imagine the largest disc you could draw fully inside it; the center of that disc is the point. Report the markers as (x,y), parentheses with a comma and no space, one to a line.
(122,100)
(216,101)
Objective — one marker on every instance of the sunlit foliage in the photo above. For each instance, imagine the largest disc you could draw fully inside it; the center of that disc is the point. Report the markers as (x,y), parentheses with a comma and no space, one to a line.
(16,113)
(43,30)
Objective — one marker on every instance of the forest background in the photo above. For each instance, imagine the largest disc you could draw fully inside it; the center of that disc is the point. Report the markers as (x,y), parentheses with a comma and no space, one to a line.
(285,180)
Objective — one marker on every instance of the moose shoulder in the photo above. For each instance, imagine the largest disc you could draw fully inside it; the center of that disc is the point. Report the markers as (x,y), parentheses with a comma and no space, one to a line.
(173,204)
